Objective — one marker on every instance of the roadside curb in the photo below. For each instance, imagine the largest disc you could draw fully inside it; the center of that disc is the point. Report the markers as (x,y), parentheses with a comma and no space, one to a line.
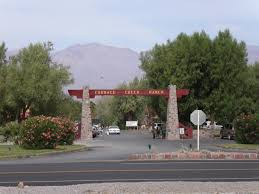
(195,156)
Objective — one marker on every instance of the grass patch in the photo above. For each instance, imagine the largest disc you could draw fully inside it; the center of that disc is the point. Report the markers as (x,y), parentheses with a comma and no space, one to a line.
(241,146)
(15,151)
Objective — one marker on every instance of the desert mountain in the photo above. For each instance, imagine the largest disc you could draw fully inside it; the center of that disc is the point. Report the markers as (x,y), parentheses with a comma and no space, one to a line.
(253,53)
(99,66)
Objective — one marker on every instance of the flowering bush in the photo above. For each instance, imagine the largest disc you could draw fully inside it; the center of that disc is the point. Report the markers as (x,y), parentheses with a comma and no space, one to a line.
(46,132)
(67,130)
(247,129)
(38,132)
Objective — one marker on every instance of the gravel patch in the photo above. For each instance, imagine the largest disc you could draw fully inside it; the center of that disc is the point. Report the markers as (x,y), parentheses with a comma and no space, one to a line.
(140,187)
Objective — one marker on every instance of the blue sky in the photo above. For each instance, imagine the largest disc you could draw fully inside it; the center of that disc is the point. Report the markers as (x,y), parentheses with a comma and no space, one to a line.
(135,24)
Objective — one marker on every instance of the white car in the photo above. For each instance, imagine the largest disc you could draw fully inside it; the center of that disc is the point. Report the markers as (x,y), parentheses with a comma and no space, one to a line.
(114,130)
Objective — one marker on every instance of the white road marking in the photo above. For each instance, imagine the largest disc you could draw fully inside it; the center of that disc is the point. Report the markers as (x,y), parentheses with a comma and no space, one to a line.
(125,170)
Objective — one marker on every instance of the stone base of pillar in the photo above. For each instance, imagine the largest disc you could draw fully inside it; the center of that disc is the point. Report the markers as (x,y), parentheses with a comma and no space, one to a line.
(172,122)
(173,135)
(86,121)
(81,142)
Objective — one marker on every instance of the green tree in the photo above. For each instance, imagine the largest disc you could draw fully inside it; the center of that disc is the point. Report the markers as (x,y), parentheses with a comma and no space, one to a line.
(3,50)
(253,81)
(34,81)
(104,111)
(93,110)
(215,71)
(2,82)
(230,92)
(127,108)
(183,62)
(119,109)
(70,108)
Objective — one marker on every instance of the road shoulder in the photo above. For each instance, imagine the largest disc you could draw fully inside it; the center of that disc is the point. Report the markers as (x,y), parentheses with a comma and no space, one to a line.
(141,187)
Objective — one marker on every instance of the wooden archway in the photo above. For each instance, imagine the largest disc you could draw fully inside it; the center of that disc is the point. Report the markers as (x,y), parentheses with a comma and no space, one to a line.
(172,123)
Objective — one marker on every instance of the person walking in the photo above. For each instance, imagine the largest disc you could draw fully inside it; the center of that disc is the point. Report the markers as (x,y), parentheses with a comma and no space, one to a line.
(154,133)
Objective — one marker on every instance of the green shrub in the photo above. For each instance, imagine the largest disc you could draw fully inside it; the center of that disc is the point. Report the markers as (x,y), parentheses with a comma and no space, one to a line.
(10,131)
(247,129)
(39,133)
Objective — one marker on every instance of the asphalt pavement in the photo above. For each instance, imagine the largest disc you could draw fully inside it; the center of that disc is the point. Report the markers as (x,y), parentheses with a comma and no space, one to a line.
(128,171)
(119,147)
(106,161)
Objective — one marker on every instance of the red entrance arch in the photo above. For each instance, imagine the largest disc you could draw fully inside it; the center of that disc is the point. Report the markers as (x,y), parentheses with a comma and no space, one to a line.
(172,113)
(164,92)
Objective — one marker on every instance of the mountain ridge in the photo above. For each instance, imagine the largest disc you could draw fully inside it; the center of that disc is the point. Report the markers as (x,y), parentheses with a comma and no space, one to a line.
(104,66)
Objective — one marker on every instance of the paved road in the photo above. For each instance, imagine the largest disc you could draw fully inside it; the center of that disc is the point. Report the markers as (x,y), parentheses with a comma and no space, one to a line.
(128,171)
(118,147)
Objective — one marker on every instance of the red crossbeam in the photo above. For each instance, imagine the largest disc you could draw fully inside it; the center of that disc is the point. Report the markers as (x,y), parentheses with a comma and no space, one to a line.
(77,93)
(92,93)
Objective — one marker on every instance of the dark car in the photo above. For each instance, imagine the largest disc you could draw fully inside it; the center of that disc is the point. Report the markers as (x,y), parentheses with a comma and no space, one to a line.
(227,131)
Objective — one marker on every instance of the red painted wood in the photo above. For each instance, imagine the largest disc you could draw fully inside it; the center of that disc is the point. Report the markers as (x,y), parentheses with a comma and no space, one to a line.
(77,93)
(94,93)
(182,92)
(188,131)
(163,92)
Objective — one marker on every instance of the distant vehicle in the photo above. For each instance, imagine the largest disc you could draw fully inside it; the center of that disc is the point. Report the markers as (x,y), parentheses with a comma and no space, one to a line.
(210,125)
(206,125)
(227,131)
(114,130)
(216,126)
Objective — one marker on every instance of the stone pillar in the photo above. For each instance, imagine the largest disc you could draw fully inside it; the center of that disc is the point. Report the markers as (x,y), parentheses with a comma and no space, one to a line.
(86,120)
(172,122)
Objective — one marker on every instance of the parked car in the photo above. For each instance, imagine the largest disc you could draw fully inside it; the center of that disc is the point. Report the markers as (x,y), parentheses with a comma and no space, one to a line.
(211,125)
(114,130)
(227,131)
